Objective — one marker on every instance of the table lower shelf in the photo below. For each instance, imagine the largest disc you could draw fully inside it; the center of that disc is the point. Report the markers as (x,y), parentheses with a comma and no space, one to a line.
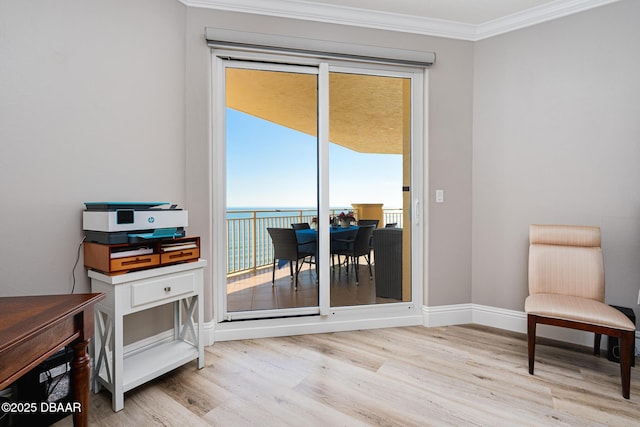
(152,362)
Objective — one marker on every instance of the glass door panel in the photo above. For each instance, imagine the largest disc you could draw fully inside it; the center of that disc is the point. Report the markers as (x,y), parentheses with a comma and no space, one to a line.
(369,188)
(273,113)
(272,181)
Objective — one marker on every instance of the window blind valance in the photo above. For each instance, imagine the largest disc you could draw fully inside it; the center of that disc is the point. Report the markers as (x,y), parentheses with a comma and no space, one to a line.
(324,49)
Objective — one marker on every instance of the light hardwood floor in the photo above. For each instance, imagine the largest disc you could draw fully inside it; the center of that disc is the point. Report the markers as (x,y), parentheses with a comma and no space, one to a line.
(410,376)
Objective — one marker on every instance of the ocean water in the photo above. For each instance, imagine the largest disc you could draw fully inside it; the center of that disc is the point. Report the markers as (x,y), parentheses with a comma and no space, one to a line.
(264,212)
(261,212)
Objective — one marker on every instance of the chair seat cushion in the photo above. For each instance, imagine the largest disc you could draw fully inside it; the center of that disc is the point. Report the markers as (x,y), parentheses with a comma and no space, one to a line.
(577,309)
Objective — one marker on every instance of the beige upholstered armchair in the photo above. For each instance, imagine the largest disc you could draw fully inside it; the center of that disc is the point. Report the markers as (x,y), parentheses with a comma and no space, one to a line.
(566,288)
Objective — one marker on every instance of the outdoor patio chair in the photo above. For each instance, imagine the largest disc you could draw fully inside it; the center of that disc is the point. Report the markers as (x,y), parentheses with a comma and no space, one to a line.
(369,222)
(374,222)
(355,247)
(304,226)
(286,248)
(300,226)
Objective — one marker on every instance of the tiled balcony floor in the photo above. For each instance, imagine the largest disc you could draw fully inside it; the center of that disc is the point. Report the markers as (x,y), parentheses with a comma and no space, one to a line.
(255,292)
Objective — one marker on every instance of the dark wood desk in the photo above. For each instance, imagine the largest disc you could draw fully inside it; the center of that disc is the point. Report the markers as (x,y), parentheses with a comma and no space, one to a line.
(32,328)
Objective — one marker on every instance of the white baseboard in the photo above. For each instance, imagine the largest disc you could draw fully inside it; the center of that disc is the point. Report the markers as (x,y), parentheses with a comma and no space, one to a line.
(340,319)
(208,329)
(445,315)
(510,320)
(458,314)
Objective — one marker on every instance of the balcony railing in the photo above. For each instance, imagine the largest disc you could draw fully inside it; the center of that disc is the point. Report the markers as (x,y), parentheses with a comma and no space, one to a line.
(249,245)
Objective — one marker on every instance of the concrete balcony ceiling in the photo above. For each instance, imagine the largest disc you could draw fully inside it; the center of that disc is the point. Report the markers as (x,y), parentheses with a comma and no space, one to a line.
(367,114)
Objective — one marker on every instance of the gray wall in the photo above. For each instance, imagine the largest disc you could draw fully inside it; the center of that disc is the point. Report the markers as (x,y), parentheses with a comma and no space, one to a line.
(91,109)
(109,100)
(556,139)
(450,117)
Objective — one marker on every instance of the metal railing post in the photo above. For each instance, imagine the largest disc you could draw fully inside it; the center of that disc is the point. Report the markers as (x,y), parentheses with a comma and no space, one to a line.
(255,241)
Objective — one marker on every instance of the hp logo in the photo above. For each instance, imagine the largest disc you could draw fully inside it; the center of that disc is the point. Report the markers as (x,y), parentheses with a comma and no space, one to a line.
(151,220)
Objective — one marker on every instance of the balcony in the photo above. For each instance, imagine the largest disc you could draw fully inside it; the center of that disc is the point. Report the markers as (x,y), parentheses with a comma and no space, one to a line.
(249,246)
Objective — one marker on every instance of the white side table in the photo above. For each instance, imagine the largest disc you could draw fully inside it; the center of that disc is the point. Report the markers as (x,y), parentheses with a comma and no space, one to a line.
(180,285)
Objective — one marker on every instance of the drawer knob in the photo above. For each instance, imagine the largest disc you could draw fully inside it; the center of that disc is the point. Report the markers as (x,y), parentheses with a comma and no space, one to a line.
(167,289)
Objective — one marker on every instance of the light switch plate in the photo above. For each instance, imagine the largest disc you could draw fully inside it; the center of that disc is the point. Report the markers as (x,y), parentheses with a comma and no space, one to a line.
(439,196)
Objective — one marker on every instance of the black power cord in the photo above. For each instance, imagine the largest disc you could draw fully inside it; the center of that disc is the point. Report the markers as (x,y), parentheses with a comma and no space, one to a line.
(73,271)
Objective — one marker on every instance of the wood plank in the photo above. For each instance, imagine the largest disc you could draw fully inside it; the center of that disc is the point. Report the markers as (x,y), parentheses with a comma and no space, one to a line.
(410,376)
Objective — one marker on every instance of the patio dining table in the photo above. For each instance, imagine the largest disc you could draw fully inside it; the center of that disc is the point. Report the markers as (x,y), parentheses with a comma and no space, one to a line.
(310,235)
(307,238)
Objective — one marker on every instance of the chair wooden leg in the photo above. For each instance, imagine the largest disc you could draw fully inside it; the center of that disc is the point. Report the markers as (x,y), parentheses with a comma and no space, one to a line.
(627,341)
(596,344)
(531,340)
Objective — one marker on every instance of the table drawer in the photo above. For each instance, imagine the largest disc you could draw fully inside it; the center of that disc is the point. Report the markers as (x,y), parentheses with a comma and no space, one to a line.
(164,288)
(134,262)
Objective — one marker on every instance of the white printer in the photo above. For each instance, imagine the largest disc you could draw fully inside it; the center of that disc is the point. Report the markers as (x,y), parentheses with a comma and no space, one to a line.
(129,222)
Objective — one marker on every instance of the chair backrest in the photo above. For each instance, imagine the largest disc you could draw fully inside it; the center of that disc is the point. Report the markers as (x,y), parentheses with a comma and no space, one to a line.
(361,244)
(300,226)
(374,222)
(566,260)
(285,243)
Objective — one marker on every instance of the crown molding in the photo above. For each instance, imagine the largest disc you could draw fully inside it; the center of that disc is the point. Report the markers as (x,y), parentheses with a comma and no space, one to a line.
(334,14)
(310,11)
(536,15)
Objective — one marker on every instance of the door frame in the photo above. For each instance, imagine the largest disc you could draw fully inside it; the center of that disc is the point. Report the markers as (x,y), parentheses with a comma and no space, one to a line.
(327,319)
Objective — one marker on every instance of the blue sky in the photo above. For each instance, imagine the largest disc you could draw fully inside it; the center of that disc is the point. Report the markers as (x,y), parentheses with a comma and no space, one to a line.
(269,165)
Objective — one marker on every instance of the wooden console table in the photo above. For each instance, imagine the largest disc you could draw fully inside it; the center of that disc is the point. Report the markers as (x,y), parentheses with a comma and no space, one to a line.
(32,328)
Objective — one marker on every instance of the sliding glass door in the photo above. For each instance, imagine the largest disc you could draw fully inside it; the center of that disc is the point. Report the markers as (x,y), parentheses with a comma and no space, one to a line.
(318,173)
